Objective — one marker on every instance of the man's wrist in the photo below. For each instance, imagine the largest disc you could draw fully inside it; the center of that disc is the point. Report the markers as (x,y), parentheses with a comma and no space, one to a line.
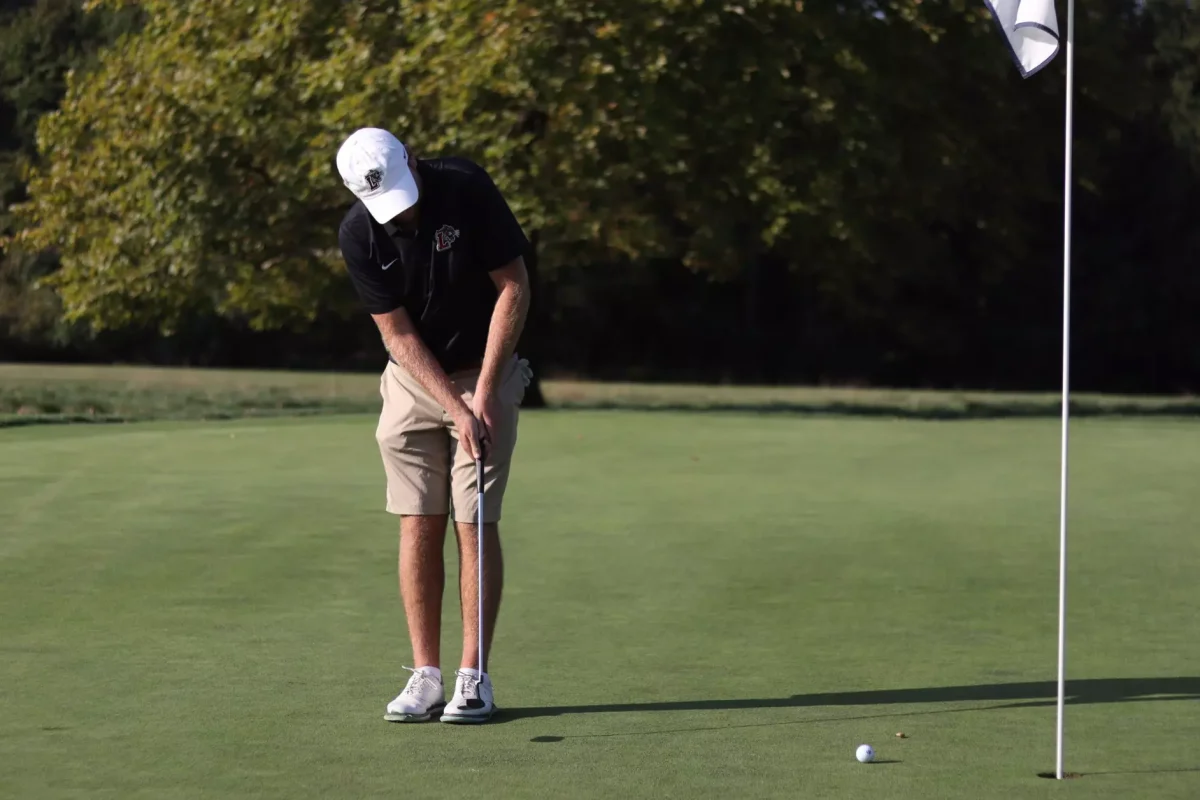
(486,385)
(421,365)
(461,407)
(491,377)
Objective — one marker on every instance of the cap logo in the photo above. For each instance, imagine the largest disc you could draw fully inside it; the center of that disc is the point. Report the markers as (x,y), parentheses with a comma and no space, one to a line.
(374,178)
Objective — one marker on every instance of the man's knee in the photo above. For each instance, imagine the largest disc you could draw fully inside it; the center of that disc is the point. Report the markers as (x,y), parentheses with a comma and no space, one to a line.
(468,539)
(425,527)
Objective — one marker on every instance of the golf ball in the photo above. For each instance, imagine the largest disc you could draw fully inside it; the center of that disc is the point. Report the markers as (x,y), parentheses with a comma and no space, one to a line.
(865,753)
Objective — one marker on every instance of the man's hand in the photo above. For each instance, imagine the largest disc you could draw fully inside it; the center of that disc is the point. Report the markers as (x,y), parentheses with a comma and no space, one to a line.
(472,433)
(486,407)
(402,341)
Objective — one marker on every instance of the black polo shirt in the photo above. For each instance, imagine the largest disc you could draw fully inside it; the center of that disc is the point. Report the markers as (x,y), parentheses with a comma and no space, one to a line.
(438,273)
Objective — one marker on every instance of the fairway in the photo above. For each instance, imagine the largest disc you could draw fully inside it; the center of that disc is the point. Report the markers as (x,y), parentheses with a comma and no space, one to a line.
(697,605)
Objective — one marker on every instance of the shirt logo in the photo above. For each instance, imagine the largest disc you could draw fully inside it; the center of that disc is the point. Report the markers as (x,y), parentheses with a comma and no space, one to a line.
(445,237)
(374,178)
(393,261)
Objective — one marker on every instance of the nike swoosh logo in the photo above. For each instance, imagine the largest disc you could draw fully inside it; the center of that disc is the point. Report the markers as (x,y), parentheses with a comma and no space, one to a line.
(393,261)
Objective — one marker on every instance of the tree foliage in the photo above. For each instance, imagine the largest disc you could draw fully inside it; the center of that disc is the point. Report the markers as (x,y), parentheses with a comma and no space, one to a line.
(885,153)
(192,168)
(40,41)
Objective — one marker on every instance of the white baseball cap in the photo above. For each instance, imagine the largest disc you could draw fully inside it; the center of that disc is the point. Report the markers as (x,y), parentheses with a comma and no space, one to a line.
(374,165)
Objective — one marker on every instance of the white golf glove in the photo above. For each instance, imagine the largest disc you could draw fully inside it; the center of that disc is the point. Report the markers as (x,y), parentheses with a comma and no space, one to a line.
(525,371)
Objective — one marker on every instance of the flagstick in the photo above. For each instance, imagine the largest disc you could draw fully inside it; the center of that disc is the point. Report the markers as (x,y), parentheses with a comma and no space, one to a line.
(1066,375)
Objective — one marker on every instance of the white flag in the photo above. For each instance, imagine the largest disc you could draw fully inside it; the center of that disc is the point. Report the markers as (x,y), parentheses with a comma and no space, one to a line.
(1031,28)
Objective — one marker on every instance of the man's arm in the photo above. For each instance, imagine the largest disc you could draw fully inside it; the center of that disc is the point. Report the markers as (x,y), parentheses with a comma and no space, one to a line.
(508,320)
(402,341)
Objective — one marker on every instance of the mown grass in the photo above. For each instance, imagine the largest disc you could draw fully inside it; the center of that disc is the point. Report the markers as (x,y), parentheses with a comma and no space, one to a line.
(35,393)
(720,606)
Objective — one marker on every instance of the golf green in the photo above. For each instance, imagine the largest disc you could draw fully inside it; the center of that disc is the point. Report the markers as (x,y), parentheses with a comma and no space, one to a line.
(696,606)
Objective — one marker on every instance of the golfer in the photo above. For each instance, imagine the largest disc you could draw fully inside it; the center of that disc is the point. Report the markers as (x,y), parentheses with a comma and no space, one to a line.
(436,257)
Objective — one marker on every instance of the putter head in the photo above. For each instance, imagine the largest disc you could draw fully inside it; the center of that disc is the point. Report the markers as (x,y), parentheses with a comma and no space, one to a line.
(475,703)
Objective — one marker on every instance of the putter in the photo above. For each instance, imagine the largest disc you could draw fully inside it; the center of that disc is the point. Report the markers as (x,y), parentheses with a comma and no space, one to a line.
(478,702)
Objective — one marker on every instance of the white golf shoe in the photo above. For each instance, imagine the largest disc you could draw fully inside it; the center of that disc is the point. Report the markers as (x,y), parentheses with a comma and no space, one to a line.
(422,698)
(473,700)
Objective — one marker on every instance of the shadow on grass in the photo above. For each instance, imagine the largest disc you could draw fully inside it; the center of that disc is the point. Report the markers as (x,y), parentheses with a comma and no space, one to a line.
(742,726)
(1152,771)
(1011,695)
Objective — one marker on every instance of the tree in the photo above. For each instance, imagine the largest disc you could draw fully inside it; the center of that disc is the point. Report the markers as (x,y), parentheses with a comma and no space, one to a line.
(192,168)
(850,167)
(39,43)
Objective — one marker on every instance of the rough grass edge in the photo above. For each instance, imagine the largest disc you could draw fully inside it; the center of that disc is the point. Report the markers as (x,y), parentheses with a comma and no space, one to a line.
(30,420)
(947,408)
(40,394)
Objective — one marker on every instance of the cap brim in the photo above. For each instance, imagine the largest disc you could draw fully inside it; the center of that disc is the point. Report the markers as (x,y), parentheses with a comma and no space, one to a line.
(393,200)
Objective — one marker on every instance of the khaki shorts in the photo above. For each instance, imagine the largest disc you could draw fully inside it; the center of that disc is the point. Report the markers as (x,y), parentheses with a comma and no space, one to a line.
(426,469)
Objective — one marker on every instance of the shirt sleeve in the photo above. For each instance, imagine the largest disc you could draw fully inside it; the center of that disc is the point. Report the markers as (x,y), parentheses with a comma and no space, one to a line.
(374,294)
(500,239)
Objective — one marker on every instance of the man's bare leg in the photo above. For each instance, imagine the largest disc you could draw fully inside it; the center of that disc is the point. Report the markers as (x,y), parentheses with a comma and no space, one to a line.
(468,589)
(422,581)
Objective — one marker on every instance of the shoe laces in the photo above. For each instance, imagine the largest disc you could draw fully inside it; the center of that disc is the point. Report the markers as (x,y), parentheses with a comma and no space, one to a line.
(470,683)
(418,680)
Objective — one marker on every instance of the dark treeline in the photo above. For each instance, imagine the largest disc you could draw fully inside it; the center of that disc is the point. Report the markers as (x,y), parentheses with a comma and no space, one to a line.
(952,282)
